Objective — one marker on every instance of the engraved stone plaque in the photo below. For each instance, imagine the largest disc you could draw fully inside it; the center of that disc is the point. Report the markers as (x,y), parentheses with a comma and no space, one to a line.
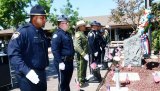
(132,51)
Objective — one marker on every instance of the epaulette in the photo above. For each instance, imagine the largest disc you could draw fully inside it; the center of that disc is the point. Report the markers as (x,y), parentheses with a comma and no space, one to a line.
(24,26)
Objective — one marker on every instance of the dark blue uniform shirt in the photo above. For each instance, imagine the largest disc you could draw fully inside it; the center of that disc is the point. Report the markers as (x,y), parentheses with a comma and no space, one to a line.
(93,41)
(102,41)
(62,45)
(28,49)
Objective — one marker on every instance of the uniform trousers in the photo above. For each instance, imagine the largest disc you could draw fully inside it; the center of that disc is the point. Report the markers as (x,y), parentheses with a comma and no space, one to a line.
(81,68)
(64,76)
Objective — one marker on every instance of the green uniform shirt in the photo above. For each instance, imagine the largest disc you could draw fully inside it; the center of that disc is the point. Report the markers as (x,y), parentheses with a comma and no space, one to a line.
(107,37)
(81,43)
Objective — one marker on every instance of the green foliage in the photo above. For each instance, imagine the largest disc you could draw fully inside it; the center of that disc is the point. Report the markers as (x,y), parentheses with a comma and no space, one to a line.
(47,4)
(12,12)
(70,12)
(156,40)
(156,9)
(53,18)
(156,27)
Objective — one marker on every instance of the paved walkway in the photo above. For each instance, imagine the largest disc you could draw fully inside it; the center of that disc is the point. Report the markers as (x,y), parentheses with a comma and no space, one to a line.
(52,80)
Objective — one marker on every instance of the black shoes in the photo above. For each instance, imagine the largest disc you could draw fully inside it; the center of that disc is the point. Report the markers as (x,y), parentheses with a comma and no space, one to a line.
(94,80)
(82,85)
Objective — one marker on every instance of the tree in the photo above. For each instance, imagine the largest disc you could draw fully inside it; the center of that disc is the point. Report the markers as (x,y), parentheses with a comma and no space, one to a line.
(127,12)
(12,12)
(70,12)
(156,9)
(47,4)
(156,27)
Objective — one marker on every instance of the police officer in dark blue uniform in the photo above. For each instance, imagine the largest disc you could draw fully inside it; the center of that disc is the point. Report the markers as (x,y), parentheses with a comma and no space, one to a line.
(103,43)
(63,51)
(94,51)
(28,52)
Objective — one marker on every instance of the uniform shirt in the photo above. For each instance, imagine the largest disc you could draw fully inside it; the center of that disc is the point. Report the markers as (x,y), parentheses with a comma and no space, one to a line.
(81,43)
(28,49)
(101,39)
(93,41)
(62,45)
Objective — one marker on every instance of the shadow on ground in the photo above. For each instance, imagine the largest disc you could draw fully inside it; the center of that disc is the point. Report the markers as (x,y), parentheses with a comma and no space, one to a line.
(151,65)
(51,71)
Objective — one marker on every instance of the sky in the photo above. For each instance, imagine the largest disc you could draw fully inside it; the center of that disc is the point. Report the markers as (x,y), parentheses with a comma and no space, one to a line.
(88,7)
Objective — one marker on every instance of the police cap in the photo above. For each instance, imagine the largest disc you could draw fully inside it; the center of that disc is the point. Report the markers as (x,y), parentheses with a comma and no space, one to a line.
(102,31)
(62,18)
(94,23)
(37,10)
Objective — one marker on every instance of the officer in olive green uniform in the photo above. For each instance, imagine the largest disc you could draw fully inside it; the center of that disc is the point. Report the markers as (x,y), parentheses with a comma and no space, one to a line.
(81,48)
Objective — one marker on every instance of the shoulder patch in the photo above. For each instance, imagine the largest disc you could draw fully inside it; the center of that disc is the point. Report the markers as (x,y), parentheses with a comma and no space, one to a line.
(77,35)
(55,36)
(90,34)
(15,35)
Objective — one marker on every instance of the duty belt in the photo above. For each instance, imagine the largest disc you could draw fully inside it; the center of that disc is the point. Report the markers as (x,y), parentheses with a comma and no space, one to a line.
(67,58)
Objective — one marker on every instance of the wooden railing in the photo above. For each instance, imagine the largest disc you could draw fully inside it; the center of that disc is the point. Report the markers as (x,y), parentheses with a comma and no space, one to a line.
(116,43)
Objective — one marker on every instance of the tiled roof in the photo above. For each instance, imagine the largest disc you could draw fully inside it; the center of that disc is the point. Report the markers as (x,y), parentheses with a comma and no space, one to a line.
(48,26)
(7,31)
(104,20)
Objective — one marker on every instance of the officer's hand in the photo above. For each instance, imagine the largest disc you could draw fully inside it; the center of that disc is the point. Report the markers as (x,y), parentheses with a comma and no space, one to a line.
(61,66)
(93,65)
(96,54)
(86,57)
(32,76)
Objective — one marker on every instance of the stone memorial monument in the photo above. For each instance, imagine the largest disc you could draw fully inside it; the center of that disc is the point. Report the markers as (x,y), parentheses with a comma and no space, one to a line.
(132,51)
